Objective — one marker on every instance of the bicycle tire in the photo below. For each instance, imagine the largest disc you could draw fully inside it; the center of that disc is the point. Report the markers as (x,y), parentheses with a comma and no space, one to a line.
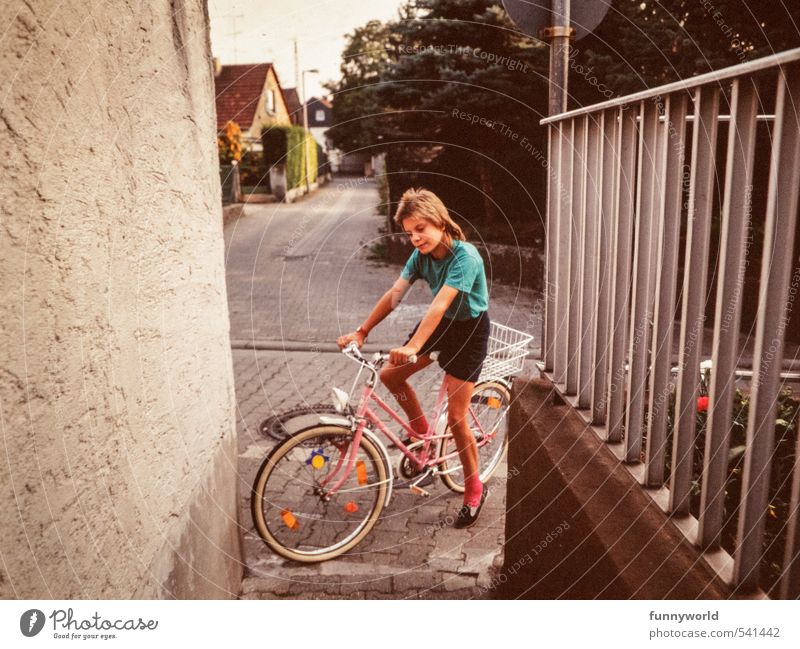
(492,453)
(293,519)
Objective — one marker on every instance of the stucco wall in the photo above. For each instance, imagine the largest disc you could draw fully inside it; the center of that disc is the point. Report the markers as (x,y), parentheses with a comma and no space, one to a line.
(116,384)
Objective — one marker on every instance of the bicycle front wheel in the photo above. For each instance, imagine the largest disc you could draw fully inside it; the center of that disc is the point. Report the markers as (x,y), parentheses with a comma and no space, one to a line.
(297,507)
(488,412)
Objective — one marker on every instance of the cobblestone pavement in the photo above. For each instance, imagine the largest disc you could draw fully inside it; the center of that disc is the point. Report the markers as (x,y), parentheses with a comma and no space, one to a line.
(301,274)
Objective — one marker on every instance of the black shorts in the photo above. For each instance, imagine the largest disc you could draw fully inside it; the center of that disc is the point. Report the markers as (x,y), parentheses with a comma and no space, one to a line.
(462,345)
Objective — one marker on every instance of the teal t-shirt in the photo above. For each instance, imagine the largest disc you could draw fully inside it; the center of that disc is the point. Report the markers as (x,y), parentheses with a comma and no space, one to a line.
(462,269)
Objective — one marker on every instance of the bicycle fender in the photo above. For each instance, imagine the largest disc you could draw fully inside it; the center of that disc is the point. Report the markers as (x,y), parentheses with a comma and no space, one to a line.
(334,420)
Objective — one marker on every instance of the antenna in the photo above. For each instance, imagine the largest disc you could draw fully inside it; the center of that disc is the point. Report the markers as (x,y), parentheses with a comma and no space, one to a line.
(235,33)
(296,65)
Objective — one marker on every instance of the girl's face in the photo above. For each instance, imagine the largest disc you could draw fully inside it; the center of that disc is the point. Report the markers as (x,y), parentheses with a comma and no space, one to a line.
(424,235)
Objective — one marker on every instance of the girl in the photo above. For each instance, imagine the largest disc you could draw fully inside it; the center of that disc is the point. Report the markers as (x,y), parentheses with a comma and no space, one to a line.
(456,325)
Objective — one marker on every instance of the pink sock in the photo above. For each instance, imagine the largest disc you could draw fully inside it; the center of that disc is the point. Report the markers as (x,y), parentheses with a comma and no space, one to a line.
(473,489)
(420,426)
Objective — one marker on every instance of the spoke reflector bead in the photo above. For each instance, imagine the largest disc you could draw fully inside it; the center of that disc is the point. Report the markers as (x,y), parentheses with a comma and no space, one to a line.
(493,402)
(361,472)
(288,519)
(351,507)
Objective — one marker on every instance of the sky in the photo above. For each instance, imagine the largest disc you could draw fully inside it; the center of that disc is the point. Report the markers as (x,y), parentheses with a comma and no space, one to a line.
(262,31)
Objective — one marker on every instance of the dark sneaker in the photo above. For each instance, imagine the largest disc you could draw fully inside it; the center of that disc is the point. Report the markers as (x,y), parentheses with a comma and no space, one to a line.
(468,515)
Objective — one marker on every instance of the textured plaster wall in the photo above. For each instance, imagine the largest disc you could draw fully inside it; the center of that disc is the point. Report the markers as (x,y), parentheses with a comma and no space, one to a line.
(116,385)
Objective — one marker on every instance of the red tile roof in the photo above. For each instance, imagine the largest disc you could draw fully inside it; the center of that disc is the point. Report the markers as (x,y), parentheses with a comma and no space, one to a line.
(238,89)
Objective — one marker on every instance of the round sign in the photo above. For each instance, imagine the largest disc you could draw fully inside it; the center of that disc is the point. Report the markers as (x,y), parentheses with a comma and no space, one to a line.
(532,16)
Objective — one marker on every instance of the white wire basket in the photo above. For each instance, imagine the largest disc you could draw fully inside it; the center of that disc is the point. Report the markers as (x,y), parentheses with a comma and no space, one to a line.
(507,351)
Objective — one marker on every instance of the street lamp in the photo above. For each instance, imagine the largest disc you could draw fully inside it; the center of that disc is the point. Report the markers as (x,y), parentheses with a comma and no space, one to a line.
(305,124)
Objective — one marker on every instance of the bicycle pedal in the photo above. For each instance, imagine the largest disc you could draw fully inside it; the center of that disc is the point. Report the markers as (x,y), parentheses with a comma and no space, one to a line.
(419,491)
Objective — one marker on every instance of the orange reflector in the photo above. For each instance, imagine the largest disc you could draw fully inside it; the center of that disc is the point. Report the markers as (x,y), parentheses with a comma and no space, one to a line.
(288,519)
(318,461)
(493,402)
(361,472)
(351,507)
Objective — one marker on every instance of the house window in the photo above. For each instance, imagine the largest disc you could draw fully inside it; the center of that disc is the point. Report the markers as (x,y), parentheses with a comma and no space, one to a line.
(269,101)
(320,115)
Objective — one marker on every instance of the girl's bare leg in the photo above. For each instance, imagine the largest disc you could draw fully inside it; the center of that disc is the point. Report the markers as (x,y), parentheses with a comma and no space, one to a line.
(458,399)
(395,378)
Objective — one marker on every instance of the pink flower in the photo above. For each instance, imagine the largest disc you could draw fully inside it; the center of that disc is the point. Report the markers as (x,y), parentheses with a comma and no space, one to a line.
(702,404)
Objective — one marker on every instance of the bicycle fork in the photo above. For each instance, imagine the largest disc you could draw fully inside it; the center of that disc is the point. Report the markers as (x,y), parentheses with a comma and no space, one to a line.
(321,488)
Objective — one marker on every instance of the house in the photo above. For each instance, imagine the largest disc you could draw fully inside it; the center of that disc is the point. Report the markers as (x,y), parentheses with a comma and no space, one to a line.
(294,106)
(320,119)
(250,95)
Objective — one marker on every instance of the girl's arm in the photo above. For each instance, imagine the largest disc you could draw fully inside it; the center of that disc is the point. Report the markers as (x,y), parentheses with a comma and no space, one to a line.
(385,305)
(432,318)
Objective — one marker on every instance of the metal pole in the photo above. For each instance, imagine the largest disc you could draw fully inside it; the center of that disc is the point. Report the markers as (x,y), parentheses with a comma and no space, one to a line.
(305,133)
(559,35)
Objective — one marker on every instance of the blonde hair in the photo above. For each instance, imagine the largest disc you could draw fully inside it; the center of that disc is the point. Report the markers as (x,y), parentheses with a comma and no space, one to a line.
(424,204)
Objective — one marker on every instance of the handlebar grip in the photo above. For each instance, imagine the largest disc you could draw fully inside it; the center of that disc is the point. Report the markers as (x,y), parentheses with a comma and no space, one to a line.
(385,357)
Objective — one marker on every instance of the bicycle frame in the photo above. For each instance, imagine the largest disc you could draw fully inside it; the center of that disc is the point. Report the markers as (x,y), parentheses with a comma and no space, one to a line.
(365,414)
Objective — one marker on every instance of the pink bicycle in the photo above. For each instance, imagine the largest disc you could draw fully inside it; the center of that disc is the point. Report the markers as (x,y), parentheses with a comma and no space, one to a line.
(319,493)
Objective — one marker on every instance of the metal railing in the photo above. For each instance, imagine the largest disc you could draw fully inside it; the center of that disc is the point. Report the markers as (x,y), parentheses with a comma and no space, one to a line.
(620,185)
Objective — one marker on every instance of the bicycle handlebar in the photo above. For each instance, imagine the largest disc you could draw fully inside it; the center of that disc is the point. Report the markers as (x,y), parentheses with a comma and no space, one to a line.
(353,351)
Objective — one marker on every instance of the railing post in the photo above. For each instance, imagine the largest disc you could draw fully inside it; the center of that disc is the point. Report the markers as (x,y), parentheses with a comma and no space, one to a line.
(621,260)
(673,140)
(642,298)
(564,245)
(576,252)
(600,339)
(735,217)
(551,245)
(695,274)
(591,216)
(773,316)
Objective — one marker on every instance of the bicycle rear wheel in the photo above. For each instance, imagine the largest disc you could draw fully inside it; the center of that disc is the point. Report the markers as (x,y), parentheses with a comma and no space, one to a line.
(489,405)
(292,507)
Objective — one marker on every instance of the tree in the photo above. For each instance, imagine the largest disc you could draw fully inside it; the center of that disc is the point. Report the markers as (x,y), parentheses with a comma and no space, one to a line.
(455,92)
(464,89)
(364,58)
(645,44)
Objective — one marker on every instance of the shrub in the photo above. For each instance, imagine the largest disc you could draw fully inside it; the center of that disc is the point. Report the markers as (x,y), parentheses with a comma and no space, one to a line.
(229,143)
(783,461)
(286,144)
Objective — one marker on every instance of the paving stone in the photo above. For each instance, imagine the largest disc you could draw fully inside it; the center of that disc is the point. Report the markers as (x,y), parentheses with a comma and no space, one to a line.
(326,584)
(316,594)
(445,564)
(353,569)
(381,585)
(416,581)
(456,581)
(478,563)
(259,596)
(266,585)
(394,523)
(465,593)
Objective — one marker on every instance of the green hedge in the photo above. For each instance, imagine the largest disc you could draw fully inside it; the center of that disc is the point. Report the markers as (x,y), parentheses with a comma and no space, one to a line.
(285,144)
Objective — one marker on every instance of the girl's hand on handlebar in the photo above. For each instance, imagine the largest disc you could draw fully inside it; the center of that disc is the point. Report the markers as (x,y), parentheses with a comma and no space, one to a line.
(357,337)
(401,355)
